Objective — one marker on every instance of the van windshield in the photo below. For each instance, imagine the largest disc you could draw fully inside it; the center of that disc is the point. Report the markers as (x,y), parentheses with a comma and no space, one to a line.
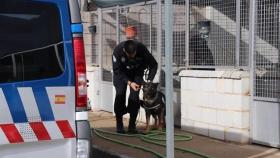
(31,44)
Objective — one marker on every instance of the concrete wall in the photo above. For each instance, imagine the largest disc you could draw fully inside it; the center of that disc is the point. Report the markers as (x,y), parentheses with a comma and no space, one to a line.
(216,104)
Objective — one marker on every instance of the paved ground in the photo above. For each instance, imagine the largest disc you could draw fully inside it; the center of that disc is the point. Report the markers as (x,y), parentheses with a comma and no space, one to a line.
(211,147)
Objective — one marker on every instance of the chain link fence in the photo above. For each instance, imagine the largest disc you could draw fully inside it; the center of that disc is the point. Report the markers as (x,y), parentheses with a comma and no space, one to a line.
(142,17)
(108,42)
(94,39)
(244,33)
(267,44)
(212,33)
(111,31)
(207,34)
(211,38)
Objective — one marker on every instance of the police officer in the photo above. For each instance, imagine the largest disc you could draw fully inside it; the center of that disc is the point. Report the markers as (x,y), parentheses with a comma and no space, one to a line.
(130,59)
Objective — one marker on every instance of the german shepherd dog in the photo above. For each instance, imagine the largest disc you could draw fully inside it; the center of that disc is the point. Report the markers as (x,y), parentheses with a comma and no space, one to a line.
(154,104)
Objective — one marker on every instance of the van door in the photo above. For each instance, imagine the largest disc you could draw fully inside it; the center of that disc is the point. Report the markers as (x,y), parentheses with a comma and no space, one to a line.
(37,93)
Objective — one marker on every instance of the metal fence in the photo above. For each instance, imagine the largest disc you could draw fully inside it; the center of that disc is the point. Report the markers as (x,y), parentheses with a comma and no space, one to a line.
(207,34)
(94,39)
(216,31)
(179,34)
(244,33)
(143,17)
(110,31)
(213,32)
(267,45)
(108,41)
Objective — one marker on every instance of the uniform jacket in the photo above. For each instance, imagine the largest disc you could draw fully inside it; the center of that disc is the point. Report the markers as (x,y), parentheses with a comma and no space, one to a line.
(125,69)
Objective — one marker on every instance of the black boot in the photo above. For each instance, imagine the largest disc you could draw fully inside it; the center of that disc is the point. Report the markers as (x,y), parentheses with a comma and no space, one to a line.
(132,126)
(120,128)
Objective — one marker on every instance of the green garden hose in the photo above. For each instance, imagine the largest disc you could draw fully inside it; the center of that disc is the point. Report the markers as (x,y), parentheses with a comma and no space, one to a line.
(154,137)
(98,131)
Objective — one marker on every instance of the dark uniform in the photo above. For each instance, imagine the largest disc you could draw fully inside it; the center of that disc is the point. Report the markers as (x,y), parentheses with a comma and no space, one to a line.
(124,70)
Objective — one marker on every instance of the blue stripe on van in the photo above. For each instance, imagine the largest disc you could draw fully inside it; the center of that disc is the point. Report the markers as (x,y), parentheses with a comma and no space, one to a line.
(77,28)
(15,104)
(43,103)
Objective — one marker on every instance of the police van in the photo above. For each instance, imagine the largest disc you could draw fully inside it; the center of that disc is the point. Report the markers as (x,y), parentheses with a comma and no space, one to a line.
(43,94)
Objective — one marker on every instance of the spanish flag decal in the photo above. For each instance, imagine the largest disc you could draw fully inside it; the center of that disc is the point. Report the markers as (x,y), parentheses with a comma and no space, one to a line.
(59,99)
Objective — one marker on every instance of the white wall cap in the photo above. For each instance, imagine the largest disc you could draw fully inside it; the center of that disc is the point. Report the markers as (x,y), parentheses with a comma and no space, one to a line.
(233,74)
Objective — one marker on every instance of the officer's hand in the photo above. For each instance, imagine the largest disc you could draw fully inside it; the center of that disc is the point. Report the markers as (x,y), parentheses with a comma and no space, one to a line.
(135,86)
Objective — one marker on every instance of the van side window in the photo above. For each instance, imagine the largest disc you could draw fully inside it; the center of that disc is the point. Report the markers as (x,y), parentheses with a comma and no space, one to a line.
(31,42)
(43,63)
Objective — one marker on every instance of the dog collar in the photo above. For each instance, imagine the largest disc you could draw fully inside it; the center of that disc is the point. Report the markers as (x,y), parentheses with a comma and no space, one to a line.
(149,108)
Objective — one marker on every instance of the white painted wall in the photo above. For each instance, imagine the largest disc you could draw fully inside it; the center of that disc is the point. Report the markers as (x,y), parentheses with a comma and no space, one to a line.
(216,104)
(94,94)
(265,123)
